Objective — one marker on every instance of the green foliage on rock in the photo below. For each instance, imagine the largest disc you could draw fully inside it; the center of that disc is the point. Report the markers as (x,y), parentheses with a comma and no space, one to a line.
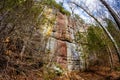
(52,3)
(95,39)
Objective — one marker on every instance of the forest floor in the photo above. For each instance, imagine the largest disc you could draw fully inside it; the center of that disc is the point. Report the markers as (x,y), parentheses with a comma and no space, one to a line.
(100,73)
(96,72)
(103,72)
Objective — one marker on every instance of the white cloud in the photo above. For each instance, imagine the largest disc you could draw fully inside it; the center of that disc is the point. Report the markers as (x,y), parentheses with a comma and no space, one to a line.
(58,1)
(93,6)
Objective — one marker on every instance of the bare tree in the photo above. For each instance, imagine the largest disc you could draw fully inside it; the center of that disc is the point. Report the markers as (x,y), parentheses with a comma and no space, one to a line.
(104,28)
(112,12)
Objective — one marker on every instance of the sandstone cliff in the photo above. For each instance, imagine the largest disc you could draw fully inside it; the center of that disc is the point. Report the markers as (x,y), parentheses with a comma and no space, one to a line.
(61,42)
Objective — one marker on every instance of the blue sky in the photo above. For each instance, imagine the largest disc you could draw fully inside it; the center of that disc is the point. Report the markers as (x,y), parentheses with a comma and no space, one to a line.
(80,12)
(94,6)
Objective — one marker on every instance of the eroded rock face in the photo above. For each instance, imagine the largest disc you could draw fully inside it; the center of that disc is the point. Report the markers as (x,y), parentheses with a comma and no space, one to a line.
(61,43)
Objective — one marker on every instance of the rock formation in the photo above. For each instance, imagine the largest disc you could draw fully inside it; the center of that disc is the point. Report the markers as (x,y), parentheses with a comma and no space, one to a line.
(61,43)
(59,40)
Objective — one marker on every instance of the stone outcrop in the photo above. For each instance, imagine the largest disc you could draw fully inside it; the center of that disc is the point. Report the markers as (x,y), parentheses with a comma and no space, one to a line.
(61,43)
(58,39)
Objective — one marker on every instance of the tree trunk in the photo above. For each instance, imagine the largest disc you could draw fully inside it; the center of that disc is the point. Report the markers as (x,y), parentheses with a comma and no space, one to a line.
(112,12)
(110,57)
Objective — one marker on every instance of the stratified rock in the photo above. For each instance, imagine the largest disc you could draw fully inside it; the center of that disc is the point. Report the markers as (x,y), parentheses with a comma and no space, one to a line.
(61,43)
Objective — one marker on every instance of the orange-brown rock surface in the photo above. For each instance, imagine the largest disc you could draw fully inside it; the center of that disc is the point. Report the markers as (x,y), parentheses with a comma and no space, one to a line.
(61,41)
